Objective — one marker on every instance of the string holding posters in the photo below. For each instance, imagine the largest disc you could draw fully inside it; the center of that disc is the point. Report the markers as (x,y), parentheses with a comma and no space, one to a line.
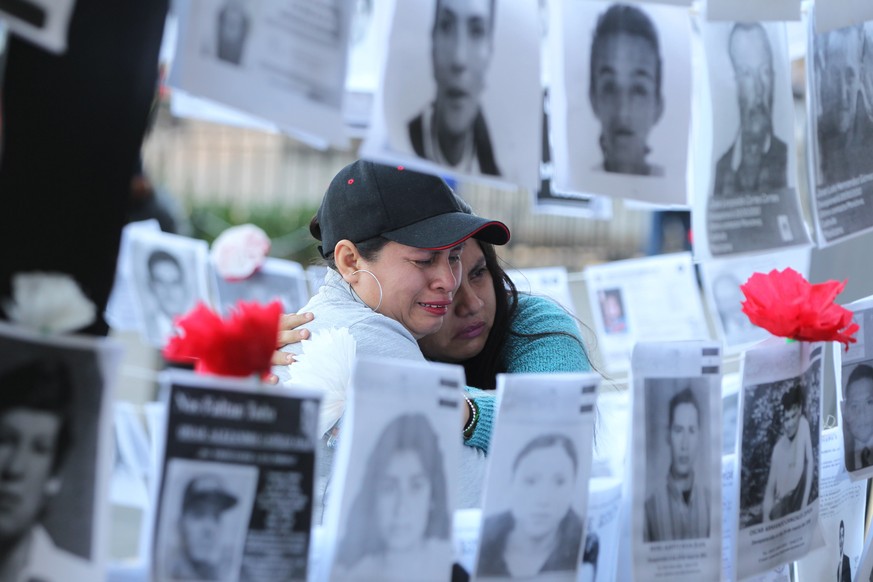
(56,422)
(855,378)
(752,204)
(676,453)
(778,455)
(537,482)
(237,476)
(460,91)
(620,99)
(281,61)
(394,487)
(840,112)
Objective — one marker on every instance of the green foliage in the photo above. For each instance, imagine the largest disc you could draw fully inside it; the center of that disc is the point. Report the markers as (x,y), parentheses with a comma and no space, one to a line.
(287,227)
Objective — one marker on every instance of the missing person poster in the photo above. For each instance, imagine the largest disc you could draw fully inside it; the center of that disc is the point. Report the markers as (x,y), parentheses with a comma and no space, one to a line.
(600,552)
(279,60)
(676,460)
(620,99)
(537,482)
(840,112)
(393,488)
(843,503)
(752,203)
(646,299)
(778,456)
(855,380)
(56,454)
(235,499)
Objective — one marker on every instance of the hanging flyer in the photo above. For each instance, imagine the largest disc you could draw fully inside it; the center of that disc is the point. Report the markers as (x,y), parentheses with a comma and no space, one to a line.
(393,488)
(843,503)
(676,454)
(56,423)
(600,552)
(855,367)
(235,498)
(537,483)
(778,460)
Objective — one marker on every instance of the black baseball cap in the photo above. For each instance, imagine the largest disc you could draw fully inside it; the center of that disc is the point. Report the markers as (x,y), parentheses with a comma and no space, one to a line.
(366,200)
(208,490)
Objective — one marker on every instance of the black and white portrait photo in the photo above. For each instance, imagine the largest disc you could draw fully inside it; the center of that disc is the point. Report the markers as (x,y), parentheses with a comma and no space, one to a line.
(399,523)
(753,204)
(204,514)
(780,447)
(857,409)
(452,130)
(52,425)
(461,90)
(842,61)
(276,280)
(677,505)
(757,159)
(169,275)
(844,566)
(621,100)
(540,532)
(839,73)
(231,31)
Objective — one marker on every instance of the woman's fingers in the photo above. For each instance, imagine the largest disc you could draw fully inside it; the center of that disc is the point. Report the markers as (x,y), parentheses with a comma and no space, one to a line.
(288,332)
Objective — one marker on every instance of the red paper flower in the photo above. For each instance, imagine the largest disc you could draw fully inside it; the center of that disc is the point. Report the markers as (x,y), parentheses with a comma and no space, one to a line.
(787,305)
(240,345)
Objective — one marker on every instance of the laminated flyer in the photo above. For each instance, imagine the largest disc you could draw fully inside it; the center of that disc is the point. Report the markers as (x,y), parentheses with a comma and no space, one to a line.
(676,461)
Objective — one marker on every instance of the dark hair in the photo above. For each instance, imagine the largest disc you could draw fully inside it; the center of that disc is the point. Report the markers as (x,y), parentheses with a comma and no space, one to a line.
(162,256)
(408,432)
(44,385)
(369,249)
(622,18)
(684,396)
(482,369)
(860,372)
(793,396)
(545,441)
(492,8)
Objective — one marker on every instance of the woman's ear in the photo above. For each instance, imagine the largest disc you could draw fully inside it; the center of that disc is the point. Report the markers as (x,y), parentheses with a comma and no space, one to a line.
(347,257)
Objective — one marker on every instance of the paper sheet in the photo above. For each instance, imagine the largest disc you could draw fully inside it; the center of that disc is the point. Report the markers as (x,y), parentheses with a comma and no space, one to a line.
(237,479)
(779,492)
(537,481)
(279,60)
(676,485)
(599,145)
(653,298)
(396,471)
(56,418)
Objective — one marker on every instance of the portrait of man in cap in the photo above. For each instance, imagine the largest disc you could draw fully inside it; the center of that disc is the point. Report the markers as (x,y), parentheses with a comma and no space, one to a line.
(201,554)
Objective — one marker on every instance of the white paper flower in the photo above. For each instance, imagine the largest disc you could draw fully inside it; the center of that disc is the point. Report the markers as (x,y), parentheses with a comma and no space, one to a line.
(326,364)
(49,302)
(239,251)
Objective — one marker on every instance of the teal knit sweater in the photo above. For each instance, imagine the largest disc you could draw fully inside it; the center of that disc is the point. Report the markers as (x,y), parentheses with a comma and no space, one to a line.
(549,353)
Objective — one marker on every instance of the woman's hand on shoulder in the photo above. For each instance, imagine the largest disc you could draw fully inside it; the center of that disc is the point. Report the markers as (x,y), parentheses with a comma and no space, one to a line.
(288,334)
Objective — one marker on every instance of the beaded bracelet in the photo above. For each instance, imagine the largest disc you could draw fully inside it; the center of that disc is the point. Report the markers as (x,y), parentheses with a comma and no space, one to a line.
(474,418)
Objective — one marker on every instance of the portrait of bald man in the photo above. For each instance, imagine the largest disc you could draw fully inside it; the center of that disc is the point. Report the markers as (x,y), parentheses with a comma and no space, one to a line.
(757,160)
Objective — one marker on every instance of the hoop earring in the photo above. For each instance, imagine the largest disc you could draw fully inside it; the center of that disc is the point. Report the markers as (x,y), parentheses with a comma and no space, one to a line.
(354,294)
